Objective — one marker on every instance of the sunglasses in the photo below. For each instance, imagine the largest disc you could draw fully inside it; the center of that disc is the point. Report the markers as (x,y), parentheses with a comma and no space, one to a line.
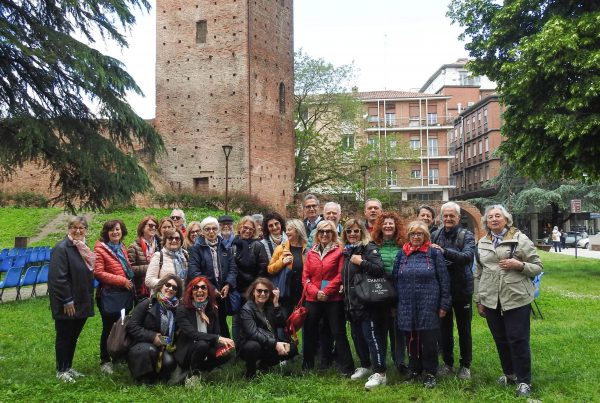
(175,218)
(172,286)
(151,226)
(325,231)
(261,291)
(353,231)
(199,287)
(173,238)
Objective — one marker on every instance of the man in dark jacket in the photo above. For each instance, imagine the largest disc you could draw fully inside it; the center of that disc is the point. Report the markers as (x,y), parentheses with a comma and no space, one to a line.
(458,247)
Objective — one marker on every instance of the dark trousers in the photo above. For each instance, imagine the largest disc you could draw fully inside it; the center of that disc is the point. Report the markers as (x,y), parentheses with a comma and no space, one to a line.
(326,346)
(107,321)
(557,246)
(333,313)
(67,333)
(202,357)
(142,359)
(370,342)
(397,339)
(422,351)
(263,357)
(223,326)
(462,310)
(510,330)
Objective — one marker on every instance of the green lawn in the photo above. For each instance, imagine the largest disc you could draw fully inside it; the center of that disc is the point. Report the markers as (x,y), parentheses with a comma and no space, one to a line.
(25,221)
(566,353)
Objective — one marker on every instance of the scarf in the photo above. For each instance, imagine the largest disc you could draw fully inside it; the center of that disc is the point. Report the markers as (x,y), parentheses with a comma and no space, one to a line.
(497,238)
(212,246)
(323,251)
(88,256)
(179,262)
(148,248)
(117,249)
(167,318)
(201,308)
(408,248)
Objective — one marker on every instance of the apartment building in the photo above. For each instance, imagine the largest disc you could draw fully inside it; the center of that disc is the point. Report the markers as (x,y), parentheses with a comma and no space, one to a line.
(417,124)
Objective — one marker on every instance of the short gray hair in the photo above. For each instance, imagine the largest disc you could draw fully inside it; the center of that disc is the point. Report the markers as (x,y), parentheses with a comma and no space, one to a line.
(450,205)
(333,204)
(78,220)
(309,197)
(209,220)
(505,213)
(375,201)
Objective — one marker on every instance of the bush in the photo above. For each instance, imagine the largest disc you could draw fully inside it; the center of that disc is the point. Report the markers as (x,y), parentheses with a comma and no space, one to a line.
(24,199)
(240,203)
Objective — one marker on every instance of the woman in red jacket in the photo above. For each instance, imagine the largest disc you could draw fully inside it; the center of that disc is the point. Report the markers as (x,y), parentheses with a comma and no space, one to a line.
(322,279)
(116,291)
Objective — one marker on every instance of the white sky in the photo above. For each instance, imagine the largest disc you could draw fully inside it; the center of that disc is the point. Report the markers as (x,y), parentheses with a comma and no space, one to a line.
(394,44)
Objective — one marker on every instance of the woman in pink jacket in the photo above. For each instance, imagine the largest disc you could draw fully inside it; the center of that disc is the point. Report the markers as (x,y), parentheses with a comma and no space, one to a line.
(322,280)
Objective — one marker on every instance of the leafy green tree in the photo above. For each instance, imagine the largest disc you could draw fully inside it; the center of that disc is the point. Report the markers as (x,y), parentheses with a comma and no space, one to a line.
(62,103)
(543,55)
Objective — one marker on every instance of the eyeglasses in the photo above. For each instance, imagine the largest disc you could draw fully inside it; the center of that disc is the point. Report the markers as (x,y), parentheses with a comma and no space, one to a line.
(325,231)
(196,231)
(244,228)
(211,229)
(353,231)
(311,206)
(77,229)
(261,291)
(172,286)
(151,226)
(197,287)
(176,217)
(173,238)
(417,234)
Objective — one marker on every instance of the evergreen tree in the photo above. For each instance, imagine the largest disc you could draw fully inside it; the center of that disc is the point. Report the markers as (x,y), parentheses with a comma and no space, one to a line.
(62,103)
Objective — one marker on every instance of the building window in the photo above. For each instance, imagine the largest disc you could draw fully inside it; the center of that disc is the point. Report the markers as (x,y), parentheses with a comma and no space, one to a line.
(390,119)
(348,141)
(462,157)
(480,147)
(372,141)
(468,151)
(281,98)
(487,144)
(434,176)
(433,147)
(485,120)
(201,184)
(201,31)
(474,149)
(432,114)
(373,114)
(420,196)
(392,178)
(415,143)
(393,144)
(413,114)
(415,173)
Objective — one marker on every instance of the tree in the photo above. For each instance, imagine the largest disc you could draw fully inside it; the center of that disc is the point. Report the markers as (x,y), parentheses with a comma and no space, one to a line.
(544,57)
(62,103)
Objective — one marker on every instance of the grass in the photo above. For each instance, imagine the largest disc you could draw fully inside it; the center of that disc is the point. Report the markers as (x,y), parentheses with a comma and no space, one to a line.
(565,347)
(23,221)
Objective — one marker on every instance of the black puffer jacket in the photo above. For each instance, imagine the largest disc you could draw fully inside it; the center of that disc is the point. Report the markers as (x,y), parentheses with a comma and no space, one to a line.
(251,261)
(255,325)
(459,260)
(372,265)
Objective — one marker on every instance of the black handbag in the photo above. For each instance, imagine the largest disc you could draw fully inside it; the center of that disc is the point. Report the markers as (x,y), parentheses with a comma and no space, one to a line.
(373,290)
(112,300)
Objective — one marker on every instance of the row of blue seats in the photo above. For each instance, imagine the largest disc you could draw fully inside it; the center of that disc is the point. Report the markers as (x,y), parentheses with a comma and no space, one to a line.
(18,278)
(23,257)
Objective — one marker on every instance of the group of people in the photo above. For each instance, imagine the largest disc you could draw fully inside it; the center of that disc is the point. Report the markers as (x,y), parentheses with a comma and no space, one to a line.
(181,282)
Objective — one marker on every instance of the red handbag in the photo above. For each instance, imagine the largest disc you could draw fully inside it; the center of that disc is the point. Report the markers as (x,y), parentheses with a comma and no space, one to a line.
(296,320)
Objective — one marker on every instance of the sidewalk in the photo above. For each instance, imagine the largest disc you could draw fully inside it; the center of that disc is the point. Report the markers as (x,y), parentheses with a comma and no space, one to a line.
(595,254)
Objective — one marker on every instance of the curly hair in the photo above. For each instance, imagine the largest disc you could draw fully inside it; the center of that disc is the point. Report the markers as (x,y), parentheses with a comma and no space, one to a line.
(188,295)
(377,234)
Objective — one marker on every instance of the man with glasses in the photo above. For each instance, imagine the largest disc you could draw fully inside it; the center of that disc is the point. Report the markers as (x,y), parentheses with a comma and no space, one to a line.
(178,218)
(311,213)
(226,226)
(457,245)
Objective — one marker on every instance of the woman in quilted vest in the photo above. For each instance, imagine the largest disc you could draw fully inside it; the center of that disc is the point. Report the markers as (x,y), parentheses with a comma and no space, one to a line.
(172,259)
(140,252)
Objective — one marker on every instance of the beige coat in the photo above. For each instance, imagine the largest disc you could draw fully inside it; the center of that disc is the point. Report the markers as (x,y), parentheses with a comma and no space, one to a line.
(513,288)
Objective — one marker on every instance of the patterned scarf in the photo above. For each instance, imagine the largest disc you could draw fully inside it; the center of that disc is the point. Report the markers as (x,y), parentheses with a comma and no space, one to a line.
(212,246)
(88,256)
(497,238)
(117,249)
(179,262)
(408,248)
(201,308)
(167,317)
(148,248)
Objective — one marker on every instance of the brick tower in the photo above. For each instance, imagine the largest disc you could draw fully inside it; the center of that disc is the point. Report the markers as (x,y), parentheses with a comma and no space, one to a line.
(224,75)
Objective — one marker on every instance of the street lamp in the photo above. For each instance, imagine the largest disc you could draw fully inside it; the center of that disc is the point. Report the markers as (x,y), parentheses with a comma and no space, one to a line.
(227,151)
(363,169)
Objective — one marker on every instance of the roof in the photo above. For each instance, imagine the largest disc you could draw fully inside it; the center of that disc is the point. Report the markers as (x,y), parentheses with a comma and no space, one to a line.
(460,63)
(377,95)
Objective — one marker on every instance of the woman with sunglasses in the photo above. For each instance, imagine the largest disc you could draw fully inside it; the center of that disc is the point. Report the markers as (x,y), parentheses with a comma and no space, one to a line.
(140,253)
(260,316)
(191,234)
(210,258)
(199,345)
(423,286)
(322,280)
(367,322)
(172,259)
(152,331)
(178,218)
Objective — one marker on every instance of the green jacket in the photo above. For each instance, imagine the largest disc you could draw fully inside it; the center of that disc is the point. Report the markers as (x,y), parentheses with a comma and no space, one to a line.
(513,288)
(388,251)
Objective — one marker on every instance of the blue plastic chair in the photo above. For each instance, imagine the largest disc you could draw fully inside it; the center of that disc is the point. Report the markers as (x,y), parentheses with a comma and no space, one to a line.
(20,262)
(42,277)
(29,278)
(7,263)
(34,256)
(14,252)
(12,279)
(537,281)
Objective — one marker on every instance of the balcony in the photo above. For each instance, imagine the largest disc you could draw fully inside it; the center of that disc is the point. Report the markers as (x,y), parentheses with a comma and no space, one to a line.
(439,152)
(389,122)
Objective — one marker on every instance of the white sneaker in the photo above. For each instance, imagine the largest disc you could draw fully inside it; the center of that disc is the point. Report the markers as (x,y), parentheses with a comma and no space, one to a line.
(375,380)
(65,377)
(107,368)
(193,381)
(75,374)
(360,372)
(464,373)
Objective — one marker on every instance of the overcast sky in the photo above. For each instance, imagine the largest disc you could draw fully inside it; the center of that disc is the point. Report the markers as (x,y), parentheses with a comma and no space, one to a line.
(394,44)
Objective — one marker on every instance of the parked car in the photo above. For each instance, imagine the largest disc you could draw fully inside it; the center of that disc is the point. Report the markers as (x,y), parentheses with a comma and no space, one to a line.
(570,239)
(583,243)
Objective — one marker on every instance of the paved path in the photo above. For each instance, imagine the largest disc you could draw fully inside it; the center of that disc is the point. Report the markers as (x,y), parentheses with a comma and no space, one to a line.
(595,254)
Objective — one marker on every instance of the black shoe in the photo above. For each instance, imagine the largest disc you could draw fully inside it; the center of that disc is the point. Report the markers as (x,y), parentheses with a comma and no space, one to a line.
(429,381)
(411,377)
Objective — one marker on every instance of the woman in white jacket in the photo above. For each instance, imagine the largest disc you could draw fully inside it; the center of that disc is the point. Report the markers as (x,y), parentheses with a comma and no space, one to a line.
(172,258)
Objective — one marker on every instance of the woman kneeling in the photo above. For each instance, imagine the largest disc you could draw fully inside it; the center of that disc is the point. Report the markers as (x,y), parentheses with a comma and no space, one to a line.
(151,328)
(259,317)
